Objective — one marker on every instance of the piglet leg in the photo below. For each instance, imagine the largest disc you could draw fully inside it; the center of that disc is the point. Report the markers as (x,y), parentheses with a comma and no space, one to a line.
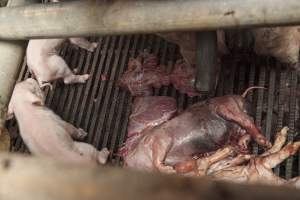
(294,182)
(241,118)
(279,142)
(160,147)
(88,150)
(61,70)
(275,159)
(75,133)
(204,163)
(224,164)
(83,43)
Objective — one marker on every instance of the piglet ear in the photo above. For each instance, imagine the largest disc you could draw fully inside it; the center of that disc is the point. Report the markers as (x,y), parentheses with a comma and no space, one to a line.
(10,112)
(36,100)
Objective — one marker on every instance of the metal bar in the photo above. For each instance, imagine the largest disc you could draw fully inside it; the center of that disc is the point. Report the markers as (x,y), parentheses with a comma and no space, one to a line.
(24,177)
(280,115)
(271,98)
(292,118)
(260,98)
(206,61)
(85,18)
(116,107)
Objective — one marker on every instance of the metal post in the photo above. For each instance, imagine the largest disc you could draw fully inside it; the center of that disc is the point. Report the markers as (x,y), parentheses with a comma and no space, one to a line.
(206,66)
(87,18)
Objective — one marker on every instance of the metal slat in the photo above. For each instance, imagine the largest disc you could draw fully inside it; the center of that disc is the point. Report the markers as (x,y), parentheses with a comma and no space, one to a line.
(259,103)
(292,119)
(103,125)
(93,83)
(99,96)
(271,95)
(118,103)
(280,115)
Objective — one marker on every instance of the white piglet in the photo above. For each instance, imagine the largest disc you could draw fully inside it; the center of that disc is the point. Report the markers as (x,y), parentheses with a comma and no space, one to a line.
(46,65)
(44,132)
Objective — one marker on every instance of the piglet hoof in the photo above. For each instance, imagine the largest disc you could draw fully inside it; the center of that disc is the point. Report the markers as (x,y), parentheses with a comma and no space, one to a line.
(103,155)
(93,47)
(75,70)
(167,169)
(85,77)
(81,134)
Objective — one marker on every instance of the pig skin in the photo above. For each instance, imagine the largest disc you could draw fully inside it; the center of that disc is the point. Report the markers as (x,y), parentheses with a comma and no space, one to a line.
(44,132)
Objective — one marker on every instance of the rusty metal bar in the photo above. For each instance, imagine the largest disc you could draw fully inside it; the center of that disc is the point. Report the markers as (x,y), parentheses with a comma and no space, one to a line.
(82,18)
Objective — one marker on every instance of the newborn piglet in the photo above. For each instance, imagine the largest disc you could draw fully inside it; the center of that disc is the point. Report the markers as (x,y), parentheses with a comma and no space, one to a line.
(44,132)
(46,65)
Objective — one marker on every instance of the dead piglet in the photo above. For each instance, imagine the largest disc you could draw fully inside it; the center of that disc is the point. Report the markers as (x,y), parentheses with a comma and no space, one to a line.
(183,78)
(203,127)
(44,132)
(244,168)
(235,108)
(143,74)
(46,65)
(259,168)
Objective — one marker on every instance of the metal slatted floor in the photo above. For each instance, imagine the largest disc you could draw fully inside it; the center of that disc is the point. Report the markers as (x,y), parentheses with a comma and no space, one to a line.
(102,108)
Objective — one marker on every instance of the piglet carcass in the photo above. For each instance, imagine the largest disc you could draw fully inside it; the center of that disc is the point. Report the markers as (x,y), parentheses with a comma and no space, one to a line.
(45,133)
(258,169)
(143,74)
(46,65)
(147,112)
(245,168)
(183,78)
(204,127)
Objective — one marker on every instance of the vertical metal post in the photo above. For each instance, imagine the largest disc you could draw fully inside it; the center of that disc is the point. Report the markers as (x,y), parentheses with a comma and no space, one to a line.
(206,65)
